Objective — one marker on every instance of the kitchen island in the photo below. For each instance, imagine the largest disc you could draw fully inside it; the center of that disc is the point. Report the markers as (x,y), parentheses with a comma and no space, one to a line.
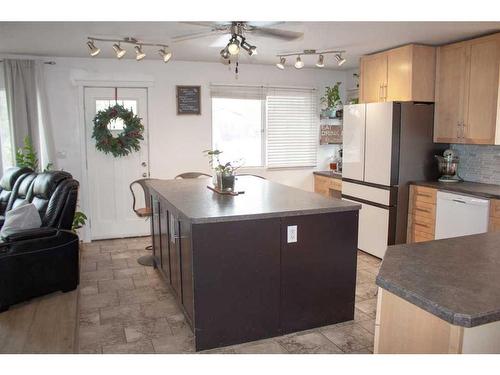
(271,261)
(440,297)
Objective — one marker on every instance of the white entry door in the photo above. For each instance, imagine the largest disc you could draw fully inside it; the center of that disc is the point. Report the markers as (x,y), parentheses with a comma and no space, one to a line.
(109,177)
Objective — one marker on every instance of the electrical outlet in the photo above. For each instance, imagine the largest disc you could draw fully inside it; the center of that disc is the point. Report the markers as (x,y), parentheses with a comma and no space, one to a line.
(292,233)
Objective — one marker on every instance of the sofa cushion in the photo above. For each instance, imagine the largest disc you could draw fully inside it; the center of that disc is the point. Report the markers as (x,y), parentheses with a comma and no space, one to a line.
(7,183)
(23,217)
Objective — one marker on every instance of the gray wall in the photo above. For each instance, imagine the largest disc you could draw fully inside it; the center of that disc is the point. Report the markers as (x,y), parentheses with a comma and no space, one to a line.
(479,163)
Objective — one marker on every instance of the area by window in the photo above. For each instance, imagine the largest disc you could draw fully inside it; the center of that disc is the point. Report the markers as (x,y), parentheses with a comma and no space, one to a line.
(6,142)
(265,126)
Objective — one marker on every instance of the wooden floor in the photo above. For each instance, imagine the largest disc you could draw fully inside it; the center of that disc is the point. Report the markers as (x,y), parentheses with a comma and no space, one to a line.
(43,325)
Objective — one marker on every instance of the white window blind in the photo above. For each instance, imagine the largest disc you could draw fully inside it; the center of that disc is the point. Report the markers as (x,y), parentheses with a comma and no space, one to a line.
(292,127)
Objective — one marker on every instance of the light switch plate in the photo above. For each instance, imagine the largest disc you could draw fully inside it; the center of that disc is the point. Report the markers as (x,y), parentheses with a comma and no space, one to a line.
(292,233)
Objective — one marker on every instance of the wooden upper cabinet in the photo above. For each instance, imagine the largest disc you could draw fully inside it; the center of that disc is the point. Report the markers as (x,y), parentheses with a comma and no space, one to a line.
(401,74)
(450,90)
(374,77)
(467,86)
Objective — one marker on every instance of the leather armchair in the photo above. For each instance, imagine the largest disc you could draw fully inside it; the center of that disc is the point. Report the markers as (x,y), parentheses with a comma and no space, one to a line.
(7,183)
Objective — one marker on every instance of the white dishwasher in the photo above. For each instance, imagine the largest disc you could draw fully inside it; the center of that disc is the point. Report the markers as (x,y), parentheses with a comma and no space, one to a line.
(460,215)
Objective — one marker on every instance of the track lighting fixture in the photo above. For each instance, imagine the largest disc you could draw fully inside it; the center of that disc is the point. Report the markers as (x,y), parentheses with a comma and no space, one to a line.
(138,47)
(139,54)
(340,59)
(299,64)
(234,46)
(281,64)
(252,50)
(94,51)
(166,55)
(120,52)
(320,63)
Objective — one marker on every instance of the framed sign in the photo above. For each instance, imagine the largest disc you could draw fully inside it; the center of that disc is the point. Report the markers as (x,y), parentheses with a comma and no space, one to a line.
(330,134)
(188,100)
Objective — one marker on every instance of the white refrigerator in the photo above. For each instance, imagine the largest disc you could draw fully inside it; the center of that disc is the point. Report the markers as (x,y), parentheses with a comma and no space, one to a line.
(386,145)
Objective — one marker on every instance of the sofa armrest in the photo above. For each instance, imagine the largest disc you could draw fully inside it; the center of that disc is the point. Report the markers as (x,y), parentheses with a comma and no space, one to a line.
(30,234)
(47,238)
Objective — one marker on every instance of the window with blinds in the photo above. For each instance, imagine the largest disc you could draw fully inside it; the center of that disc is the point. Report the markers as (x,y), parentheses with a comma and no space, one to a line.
(292,127)
(266,126)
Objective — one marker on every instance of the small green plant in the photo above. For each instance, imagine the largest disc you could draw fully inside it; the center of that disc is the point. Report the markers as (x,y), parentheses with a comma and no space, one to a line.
(226,169)
(332,96)
(79,221)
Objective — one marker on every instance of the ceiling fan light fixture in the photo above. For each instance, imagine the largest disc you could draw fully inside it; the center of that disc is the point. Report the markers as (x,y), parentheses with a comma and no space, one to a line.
(224,53)
(94,51)
(252,50)
(120,52)
(166,55)
(281,63)
(139,53)
(321,62)
(234,46)
(299,64)
(340,59)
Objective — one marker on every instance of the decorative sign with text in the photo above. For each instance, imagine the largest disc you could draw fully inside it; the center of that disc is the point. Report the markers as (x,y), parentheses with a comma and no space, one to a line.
(188,100)
(330,134)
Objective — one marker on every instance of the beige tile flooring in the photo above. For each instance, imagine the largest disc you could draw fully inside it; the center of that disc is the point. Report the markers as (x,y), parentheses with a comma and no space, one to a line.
(127,308)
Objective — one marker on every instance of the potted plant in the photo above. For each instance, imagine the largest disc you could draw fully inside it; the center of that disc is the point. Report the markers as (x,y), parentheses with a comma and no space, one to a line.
(331,99)
(224,174)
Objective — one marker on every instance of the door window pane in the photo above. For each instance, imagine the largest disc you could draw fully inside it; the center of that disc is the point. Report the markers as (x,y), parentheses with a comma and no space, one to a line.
(237,130)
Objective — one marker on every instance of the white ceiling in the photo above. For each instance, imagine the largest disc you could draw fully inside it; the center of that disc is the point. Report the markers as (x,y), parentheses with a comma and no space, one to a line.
(67,39)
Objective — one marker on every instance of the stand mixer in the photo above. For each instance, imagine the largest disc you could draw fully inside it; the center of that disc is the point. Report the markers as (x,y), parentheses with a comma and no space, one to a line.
(448,166)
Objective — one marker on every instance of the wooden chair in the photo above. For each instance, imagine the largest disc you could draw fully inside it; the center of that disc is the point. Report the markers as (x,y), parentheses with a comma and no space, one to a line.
(192,175)
(143,212)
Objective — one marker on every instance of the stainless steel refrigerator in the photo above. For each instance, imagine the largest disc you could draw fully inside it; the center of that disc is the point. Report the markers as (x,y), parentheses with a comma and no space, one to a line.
(386,145)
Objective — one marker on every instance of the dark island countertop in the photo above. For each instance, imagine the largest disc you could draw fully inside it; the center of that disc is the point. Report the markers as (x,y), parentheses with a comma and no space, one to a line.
(469,188)
(262,199)
(331,174)
(456,279)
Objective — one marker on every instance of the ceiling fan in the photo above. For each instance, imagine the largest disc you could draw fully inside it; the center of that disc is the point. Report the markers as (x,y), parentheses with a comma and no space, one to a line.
(237,31)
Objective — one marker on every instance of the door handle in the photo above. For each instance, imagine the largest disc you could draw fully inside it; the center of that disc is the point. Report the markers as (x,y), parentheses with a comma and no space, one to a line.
(144,164)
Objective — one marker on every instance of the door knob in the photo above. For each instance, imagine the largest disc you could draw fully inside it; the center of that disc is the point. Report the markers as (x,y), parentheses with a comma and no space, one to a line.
(144,174)
(143,164)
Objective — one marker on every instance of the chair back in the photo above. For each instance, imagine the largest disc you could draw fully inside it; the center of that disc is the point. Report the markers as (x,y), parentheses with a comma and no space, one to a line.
(142,183)
(192,175)
(7,183)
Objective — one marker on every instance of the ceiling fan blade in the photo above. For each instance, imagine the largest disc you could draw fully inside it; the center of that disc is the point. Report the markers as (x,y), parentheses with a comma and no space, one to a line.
(201,34)
(214,25)
(276,33)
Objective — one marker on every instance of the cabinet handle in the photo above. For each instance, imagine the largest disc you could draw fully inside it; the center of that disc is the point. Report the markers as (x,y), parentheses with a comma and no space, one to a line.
(380,92)
(424,195)
(385,92)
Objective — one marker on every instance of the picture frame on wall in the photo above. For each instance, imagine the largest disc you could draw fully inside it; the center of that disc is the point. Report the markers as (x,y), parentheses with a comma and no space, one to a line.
(188,100)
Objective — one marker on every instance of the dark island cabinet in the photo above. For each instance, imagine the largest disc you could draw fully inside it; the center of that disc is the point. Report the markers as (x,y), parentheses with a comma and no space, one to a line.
(243,280)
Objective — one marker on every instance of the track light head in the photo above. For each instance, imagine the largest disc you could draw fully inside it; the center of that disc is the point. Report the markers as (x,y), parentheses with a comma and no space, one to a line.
(320,63)
(94,51)
(281,63)
(234,46)
(166,55)
(120,52)
(139,54)
(299,64)
(340,59)
(252,50)
(224,53)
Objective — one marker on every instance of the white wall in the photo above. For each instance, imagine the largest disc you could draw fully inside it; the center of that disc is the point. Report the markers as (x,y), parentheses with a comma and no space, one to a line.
(176,142)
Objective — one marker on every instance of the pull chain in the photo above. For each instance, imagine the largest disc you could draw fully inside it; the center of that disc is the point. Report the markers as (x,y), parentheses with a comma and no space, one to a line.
(116,95)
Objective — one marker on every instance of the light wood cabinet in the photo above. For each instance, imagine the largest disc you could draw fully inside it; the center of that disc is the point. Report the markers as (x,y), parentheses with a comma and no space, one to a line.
(402,74)
(467,86)
(494,215)
(327,186)
(421,214)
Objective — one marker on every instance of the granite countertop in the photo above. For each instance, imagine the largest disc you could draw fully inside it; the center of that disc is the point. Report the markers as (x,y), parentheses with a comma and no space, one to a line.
(470,188)
(456,279)
(262,199)
(330,173)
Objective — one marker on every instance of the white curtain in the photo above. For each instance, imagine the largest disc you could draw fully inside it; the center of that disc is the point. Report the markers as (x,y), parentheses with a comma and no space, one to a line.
(27,105)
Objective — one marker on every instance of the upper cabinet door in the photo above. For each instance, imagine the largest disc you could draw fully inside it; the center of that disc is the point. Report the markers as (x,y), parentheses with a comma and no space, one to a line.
(399,74)
(378,144)
(480,126)
(354,142)
(451,98)
(373,78)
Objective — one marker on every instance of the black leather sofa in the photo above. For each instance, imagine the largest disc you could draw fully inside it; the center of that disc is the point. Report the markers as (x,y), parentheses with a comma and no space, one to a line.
(39,261)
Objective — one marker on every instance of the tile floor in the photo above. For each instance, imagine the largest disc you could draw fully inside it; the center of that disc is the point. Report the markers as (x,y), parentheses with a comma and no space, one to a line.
(126,308)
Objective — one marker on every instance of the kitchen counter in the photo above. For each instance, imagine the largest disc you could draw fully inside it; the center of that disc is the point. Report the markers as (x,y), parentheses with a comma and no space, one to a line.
(465,187)
(262,199)
(455,279)
(329,173)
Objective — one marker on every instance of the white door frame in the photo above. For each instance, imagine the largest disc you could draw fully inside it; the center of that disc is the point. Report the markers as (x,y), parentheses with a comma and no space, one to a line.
(85,232)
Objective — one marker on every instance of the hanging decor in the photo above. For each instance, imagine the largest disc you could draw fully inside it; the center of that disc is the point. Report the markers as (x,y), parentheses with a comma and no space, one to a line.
(129,137)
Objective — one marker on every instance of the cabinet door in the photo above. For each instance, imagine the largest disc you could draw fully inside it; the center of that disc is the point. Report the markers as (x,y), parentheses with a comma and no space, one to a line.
(155,227)
(187,267)
(399,74)
(450,93)
(373,78)
(175,255)
(481,121)
(354,141)
(164,242)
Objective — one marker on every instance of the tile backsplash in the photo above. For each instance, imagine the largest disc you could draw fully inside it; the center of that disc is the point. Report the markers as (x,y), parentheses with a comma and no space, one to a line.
(479,163)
